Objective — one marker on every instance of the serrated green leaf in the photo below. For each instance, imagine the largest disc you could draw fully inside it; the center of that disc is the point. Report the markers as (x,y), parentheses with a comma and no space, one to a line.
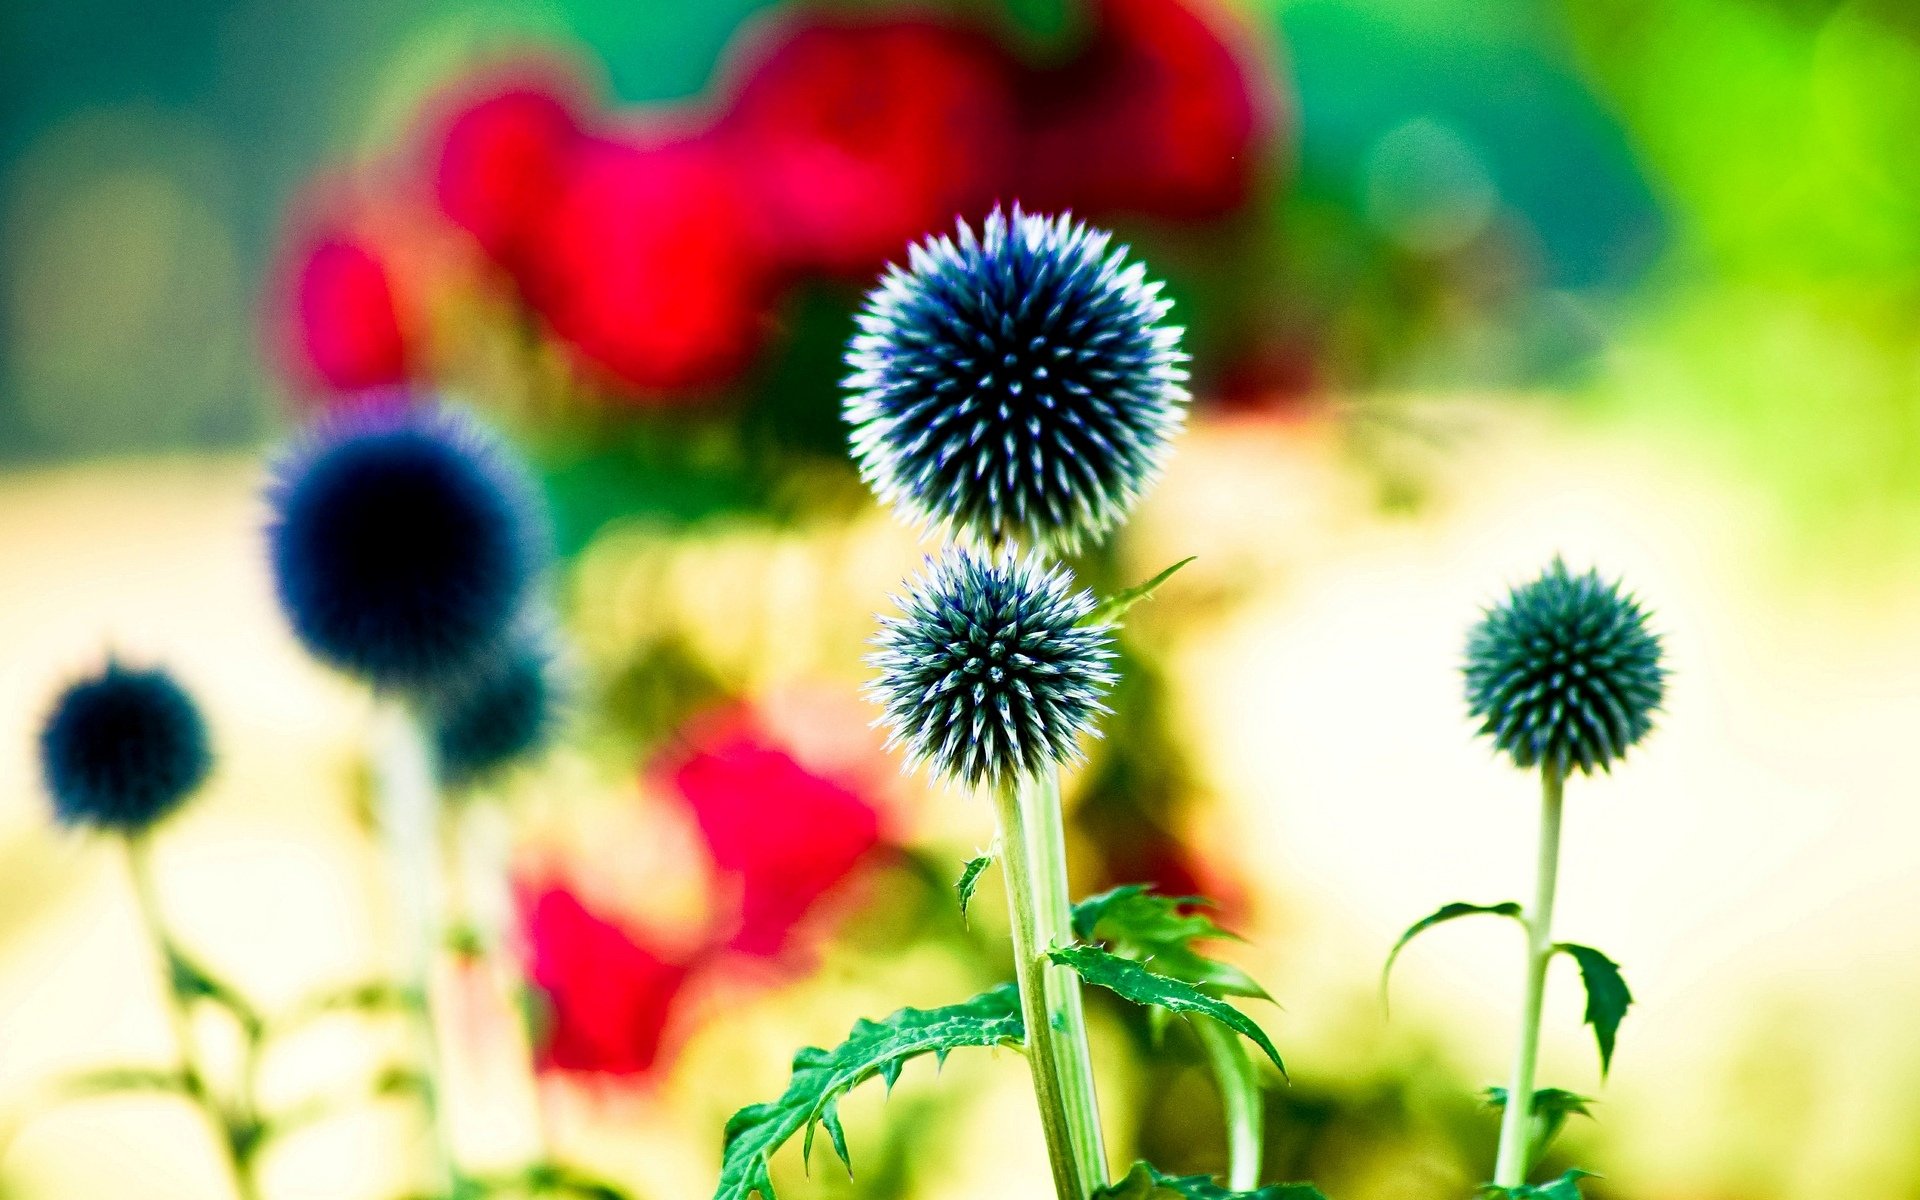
(970,879)
(1110,610)
(1445,913)
(1567,1187)
(1607,996)
(1141,924)
(821,1077)
(1147,1182)
(1551,1108)
(1133,980)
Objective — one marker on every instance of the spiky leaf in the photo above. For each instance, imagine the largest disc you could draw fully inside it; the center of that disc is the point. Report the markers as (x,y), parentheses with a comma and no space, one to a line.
(1567,1187)
(1551,1108)
(1140,924)
(1135,981)
(1607,996)
(822,1077)
(1114,607)
(1445,913)
(970,879)
(1147,1182)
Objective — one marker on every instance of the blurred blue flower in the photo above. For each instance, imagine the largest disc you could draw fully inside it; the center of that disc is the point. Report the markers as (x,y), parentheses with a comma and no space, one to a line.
(122,749)
(503,711)
(987,674)
(1565,672)
(404,540)
(1015,384)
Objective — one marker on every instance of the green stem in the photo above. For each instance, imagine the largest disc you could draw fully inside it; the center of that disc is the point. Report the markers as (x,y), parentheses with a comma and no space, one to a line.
(482,900)
(1516,1127)
(409,800)
(147,899)
(1240,1097)
(1034,865)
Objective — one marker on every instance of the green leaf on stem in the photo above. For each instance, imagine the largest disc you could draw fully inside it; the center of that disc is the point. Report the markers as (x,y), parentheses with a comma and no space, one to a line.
(1445,913)
(110,1080)
(1133,980)
(1607,996)
(190,981)
(822,1077)
(1110,610)
(1567,1187)
(1144,925)
(374,996)
(1148,1182)
(1551,1108)
(970,879)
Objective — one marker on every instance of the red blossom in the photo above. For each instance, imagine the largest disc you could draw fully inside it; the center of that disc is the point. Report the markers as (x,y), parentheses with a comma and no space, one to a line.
(863,135)
(610,996)
(1168,111)
(347,331)
(646,267)
(501,156)
(785,835)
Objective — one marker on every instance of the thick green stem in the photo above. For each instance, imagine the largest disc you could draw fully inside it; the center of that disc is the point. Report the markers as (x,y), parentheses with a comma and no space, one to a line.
(147,898)
(1516,1127)
(1239,1086)
(1034,864)
(407,786)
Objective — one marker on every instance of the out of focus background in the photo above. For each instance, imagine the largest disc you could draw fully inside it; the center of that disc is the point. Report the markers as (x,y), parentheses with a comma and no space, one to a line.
(1467,283)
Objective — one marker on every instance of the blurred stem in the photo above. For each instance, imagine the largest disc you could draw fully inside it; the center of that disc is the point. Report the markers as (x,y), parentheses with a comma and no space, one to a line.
(1034,865)
(227,1125)
(409,802)
(1233,1071)
(1516,1126)
(483,902)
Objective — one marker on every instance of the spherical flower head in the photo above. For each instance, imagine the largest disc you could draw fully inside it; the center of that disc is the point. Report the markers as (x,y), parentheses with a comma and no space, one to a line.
(1565,673)
(122,749)
(987,674)
(504,711)
(404,540)
(1018,383)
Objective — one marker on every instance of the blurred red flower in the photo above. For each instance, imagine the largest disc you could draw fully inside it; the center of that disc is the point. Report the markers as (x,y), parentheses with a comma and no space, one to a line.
(786,836)
(609,996)
(1168,111)
(501,155)
(863,136)
(646,266)
(347,333)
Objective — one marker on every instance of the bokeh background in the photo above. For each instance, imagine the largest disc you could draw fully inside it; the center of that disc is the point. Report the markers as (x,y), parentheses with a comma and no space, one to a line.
(1468,283)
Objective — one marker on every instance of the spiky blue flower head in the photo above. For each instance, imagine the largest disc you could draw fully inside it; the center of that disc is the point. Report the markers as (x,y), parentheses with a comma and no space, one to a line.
(1018,383)
(987,674)
(122,749)
(404,540)
(1565,672)
(502,711)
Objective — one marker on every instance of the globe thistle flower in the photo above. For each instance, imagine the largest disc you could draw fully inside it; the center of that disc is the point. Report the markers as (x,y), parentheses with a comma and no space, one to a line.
(404,540)
(1017,383)
(502,711)
(1565,672)
(122,749)
(987,673)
